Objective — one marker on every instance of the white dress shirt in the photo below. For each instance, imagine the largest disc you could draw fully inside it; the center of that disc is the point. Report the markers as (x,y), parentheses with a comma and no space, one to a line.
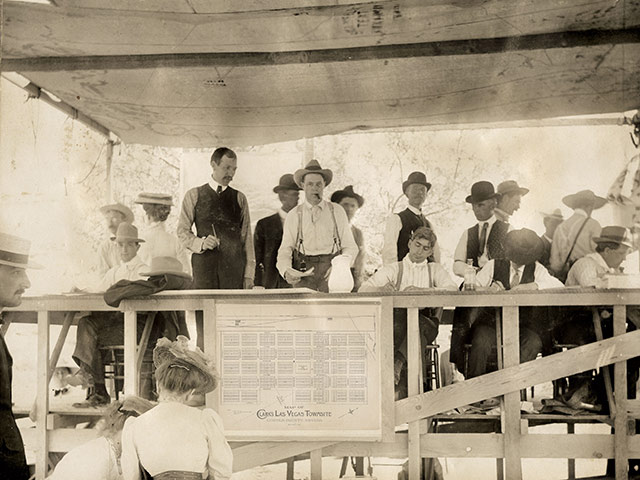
(95,459)
(174,436)
(125,271)
(541,276)
(421,275)
(565,235)
(317,237)
(587,270)
(160,243)
(109,256)
(391,231)
(460,255)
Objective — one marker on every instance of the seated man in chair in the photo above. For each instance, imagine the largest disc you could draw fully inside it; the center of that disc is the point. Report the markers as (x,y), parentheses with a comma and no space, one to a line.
(413,273)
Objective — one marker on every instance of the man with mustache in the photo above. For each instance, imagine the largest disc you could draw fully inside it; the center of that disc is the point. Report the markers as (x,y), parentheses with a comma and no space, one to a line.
(314,233)
(14,259)
(223,256)
(114,214)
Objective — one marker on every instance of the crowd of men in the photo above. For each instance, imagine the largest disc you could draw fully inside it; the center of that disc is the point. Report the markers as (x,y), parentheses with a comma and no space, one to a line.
(294,248)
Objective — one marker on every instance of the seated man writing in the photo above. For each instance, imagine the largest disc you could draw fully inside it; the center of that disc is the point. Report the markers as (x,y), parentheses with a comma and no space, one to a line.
(413,273)
(99,329)
(518,271)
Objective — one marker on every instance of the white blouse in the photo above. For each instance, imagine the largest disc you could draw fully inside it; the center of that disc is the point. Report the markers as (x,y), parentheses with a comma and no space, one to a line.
(95,459)
(174,436)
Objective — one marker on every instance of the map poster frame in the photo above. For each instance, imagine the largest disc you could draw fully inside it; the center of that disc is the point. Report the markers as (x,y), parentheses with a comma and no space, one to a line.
(305,369)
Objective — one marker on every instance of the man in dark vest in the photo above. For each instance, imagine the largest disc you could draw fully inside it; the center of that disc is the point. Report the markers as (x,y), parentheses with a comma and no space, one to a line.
(518,271)
(484,240)
(222,246)
(14,258)
(268,235)
(400,226)
(223,256)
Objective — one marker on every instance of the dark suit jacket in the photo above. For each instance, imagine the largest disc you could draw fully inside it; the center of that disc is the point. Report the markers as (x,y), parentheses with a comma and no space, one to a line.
(266,241)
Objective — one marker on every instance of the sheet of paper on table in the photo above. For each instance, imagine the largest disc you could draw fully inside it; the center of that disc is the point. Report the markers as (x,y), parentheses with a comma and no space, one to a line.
(619,281)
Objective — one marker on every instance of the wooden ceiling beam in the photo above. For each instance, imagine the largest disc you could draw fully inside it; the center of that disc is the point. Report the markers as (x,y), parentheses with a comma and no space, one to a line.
(481,46)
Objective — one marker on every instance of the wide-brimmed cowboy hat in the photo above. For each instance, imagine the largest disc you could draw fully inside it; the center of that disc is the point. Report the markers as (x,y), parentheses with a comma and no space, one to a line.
(154,198)
(556,214)
(286,183)
(584,198)
(511,186)
(127,233)
(168,351)
(165,266)
(14,252)
(481,191)
(416,177)
(313,167)
(347,192)
(615,234)
(523,246)
(118,207)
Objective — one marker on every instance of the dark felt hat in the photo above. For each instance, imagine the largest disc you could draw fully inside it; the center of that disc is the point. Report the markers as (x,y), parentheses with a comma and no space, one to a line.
(286,183)
(523,246)
(481,191)
(416,177)
(347,192)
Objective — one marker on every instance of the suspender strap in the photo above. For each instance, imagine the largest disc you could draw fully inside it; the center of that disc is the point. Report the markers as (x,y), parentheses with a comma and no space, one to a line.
(337,244)
(336,236)
(575,240)
(299,240)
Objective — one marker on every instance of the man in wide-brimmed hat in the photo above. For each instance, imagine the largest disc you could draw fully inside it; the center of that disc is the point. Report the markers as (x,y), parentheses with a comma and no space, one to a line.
(97,329)
(551,221)
(114,215)
(519,270)
(14,259)
(509,196)
(573,239)
(268,234)
(222,247)
(348,199)
(159,242)
(314,232)
(483,241)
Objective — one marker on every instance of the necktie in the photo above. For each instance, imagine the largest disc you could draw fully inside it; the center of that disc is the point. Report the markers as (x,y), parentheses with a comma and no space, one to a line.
(219,190)
(315,213)
(515,281)
(483,237)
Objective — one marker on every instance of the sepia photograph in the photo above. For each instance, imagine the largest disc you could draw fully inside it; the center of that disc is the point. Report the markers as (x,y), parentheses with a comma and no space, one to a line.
(319,239)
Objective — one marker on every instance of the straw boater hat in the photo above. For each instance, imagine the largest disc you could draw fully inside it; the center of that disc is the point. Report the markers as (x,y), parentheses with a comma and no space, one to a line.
(481,191)
(14,252)
(614,234)
(286,183)
(168,351)
(347,192)
(511,186)
(416,177)
(313,167)
(118,207)
(556,214)
(155,198)
(523,246)
(127,233)
(165,266)
(582,198)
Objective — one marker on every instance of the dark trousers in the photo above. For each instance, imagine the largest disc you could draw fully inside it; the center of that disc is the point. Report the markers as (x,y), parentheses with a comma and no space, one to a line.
(483,341)
(320,264)
(102,329)
(13,464)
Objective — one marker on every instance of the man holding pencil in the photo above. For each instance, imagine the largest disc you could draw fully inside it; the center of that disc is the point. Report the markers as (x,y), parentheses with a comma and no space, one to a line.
(223,256)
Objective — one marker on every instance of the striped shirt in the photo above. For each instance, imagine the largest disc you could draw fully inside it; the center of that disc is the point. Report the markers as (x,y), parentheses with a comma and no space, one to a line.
(586,271)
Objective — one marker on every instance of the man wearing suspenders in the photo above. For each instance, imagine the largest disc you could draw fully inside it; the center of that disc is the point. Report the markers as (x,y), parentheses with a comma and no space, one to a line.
(314,233)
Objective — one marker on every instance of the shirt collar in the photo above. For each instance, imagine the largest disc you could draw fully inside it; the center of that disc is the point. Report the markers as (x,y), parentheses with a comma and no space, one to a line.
(600,261)
(214,185)
(580,212)
(282,214)
(415,210)
(308,206)
(491,221)
(501,212)
(158,225)
(411,264)
(550,240)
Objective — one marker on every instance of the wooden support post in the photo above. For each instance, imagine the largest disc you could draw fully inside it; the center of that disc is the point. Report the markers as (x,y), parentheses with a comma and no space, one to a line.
(316,464)
(209,339)
(290,468)
(510,414)
(606,371)
(42,397)
(620,388)
(131,383)
(571,462)
(413,388)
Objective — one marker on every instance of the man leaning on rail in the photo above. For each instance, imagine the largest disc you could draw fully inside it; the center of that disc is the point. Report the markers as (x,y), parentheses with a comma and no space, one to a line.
(14,259)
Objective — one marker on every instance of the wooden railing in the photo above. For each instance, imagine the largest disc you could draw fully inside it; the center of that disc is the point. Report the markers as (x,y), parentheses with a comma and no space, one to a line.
(513,441)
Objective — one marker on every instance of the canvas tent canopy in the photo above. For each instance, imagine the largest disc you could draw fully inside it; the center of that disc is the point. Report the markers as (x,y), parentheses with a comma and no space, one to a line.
(199,73)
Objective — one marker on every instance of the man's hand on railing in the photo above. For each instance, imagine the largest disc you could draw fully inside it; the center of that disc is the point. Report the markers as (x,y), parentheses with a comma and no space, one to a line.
(389,287)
